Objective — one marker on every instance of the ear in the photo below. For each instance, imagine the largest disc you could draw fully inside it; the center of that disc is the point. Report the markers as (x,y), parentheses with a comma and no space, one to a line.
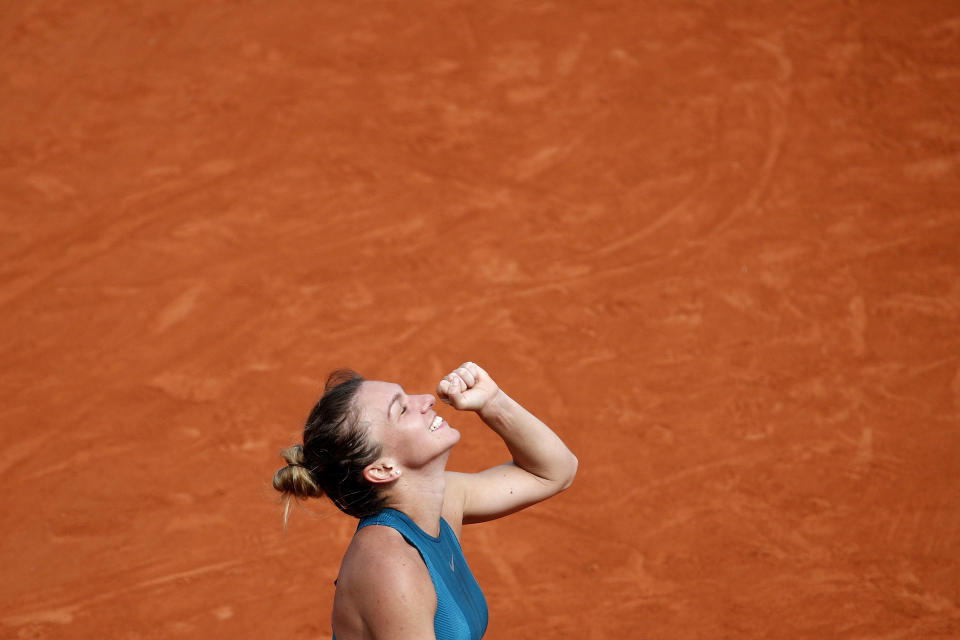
(382,471)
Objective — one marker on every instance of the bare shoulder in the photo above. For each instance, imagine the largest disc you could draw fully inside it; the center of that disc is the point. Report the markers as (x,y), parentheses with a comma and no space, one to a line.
(379,553)
(453,499)
(384,587)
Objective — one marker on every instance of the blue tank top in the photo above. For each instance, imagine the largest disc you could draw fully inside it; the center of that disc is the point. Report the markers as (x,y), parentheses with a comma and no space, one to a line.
(461,607)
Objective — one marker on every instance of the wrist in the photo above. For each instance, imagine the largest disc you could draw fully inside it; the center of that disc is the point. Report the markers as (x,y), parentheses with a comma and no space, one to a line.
(494,406)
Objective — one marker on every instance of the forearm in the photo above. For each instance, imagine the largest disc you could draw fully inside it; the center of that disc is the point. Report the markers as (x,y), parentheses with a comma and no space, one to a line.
(534,446)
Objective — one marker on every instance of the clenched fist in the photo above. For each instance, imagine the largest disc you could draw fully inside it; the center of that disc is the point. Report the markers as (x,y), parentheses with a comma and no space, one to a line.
(467,388)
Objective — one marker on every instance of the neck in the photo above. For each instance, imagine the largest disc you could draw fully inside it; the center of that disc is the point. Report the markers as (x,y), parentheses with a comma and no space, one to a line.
(419,494)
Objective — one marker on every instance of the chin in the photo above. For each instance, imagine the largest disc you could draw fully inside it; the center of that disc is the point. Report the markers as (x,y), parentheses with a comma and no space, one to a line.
(453,436)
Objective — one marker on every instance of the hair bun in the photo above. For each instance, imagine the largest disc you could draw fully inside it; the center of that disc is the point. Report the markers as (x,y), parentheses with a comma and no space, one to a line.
(295,480)
(293,455)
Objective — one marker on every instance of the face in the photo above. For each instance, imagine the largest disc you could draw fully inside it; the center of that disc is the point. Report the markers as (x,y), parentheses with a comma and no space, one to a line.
(406,426)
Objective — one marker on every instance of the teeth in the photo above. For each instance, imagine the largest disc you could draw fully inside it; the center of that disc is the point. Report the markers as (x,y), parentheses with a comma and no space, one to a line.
(437,421)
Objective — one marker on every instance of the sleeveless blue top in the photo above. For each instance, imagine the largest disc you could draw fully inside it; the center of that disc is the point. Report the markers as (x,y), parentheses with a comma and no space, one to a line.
(461,607)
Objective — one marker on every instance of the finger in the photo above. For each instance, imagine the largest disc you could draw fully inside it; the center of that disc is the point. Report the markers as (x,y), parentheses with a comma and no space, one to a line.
(458,384)
(467,376)
(454,383)
(474,369)
(443,390)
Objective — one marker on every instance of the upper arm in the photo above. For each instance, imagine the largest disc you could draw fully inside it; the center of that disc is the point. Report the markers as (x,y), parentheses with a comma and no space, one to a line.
(396,597)
(498,491)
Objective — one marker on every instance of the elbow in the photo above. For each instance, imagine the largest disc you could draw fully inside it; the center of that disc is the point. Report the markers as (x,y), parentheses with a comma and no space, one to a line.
(572,466)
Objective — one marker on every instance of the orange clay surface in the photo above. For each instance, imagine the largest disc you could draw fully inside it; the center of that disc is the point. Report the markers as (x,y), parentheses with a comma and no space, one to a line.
(716,245)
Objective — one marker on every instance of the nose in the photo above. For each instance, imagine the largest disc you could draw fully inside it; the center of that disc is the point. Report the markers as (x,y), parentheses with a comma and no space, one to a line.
(428,401)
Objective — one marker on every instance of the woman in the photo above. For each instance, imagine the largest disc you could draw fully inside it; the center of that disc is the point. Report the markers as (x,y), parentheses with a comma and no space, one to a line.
(380,455)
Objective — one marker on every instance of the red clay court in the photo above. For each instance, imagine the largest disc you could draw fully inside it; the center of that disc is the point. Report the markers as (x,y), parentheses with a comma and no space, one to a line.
(716,246)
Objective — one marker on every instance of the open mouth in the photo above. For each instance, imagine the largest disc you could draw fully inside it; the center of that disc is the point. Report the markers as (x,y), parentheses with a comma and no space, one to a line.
(437,421)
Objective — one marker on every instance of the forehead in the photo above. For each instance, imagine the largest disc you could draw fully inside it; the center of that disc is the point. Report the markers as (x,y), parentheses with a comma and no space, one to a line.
(375,396)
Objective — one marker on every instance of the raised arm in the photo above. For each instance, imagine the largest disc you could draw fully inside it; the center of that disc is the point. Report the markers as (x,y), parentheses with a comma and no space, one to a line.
(542,464)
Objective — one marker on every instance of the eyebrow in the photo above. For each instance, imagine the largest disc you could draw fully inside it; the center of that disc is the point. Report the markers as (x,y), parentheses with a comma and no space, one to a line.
(396,398)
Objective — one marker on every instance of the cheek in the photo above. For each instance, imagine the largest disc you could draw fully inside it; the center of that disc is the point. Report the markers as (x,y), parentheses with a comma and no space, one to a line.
(384,435)
(398,437)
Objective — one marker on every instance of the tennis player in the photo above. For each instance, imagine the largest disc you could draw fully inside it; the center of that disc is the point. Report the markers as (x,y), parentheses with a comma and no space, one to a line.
(380,455)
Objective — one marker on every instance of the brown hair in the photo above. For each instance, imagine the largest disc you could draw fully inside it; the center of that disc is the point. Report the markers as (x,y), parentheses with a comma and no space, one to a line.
(334,452)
